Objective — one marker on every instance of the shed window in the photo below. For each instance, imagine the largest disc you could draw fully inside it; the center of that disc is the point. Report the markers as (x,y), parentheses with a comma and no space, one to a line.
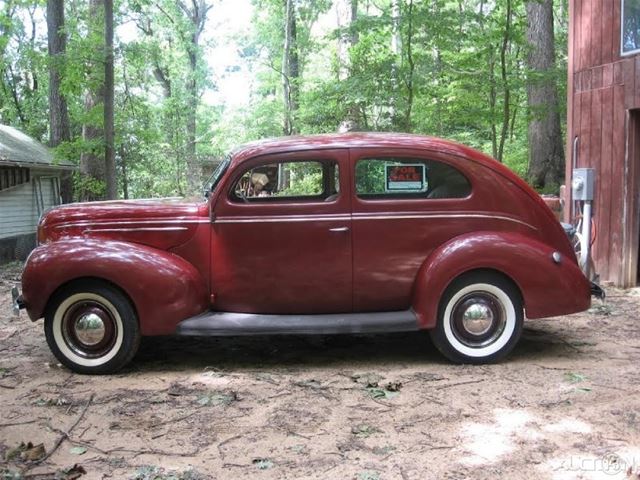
(630,26)
(12,176)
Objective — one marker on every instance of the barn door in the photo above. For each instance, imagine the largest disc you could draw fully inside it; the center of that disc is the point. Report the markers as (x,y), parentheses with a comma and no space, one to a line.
(631,267)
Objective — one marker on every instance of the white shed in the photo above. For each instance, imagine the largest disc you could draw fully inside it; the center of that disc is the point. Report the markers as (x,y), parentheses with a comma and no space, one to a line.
(29,185)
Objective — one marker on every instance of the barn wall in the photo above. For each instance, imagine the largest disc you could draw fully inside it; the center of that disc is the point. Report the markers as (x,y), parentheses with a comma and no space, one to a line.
(603,87)
(20,212)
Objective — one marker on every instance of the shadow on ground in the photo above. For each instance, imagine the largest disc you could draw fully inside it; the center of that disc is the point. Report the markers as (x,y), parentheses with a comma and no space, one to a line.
(416,348)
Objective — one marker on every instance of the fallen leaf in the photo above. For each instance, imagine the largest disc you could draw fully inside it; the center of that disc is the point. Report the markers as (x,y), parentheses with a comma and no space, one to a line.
(78,450)
(262,463)
(367,379)
(364,431)
(381,393)
(572,377)
(217,398)
(383,450)
(393,387)
(33,453)
(73,473)
(368,475)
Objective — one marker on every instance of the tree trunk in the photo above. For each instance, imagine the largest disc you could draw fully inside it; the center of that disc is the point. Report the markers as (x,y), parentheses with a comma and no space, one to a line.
(290,68)
(125,174)
(109,152)
(396,50)
(506,89)
(411,68)
(197,16)
(546,153)
(92,165)
(59,129)
(347,11)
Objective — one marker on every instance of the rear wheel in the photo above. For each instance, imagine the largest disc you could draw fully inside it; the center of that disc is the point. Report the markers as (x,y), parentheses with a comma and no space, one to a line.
(91,327)
(479,319)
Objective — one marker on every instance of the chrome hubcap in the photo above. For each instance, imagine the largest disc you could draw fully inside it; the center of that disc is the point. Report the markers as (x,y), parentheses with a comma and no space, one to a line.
(89,329)
(478,319)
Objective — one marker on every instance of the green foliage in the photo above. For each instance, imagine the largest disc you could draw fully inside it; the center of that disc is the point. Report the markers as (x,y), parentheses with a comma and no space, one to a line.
(152,472)
(304,178)
(92,187)
(444,79)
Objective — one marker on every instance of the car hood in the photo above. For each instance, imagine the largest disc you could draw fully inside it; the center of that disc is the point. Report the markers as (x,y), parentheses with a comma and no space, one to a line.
(149,208)
(162,223)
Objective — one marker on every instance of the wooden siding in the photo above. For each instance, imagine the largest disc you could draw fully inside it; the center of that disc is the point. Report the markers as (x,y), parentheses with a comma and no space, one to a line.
(604,91)
(19,206)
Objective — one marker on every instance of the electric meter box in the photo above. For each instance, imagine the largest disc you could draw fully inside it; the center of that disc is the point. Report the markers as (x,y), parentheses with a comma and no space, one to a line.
(582,185)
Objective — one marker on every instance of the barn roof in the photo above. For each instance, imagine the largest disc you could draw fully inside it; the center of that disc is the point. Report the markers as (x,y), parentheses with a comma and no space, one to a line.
(20,150)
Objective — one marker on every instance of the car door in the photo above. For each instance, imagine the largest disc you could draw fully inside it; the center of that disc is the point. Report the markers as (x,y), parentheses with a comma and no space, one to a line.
(281,235)
(406,203)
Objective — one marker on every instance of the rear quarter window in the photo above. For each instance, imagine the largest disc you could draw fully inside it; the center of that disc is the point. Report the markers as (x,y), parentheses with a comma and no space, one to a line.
(390,177)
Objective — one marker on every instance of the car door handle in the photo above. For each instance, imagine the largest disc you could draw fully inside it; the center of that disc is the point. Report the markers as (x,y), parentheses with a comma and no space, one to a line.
(339,229)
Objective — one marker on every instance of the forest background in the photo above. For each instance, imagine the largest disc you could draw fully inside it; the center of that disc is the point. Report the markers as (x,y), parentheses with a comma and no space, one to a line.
(145,96)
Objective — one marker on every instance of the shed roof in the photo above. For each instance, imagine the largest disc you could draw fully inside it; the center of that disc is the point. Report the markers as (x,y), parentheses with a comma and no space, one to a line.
(18,149)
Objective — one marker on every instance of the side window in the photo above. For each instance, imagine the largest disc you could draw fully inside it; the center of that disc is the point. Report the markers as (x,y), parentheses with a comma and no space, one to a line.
(409,178)
(630,26)
(281,181)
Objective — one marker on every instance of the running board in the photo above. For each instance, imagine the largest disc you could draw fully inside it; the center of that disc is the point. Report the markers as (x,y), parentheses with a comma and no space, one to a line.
(228,324)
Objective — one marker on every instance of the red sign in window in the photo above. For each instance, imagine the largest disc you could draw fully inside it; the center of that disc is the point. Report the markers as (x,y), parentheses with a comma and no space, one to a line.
(408,177)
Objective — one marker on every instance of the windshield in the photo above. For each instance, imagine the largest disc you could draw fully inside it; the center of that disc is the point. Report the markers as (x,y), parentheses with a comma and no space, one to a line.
(215,177)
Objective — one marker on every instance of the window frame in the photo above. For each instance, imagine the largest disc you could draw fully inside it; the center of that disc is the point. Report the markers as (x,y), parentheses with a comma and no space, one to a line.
(624,53)
(413,196)
(325,164)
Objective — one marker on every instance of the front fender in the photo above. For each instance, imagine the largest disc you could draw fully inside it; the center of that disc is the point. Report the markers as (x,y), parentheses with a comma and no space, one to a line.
(548,288)
(164,288)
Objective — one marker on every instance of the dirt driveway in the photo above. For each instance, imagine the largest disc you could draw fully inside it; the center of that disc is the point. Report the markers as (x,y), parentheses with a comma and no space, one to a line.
(566,404)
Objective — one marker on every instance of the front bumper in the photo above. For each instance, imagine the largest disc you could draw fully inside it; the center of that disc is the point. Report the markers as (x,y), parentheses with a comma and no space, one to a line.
(16,300)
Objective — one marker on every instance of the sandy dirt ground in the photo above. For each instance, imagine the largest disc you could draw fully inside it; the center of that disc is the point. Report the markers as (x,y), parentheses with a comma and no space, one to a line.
(565,405)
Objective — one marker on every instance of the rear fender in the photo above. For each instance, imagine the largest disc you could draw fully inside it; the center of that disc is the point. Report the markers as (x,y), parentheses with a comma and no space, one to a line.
(547,288)
(164,288)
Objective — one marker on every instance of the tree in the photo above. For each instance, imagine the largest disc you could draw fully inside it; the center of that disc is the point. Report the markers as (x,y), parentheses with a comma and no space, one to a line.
(455,69)
(347,11)
(109,93)
(546,152)
(197,17)
(59,127)
(290,68)
(93,174)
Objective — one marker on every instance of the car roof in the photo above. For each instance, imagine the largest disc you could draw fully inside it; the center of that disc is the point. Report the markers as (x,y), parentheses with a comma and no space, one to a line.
(352,140)
(296,143)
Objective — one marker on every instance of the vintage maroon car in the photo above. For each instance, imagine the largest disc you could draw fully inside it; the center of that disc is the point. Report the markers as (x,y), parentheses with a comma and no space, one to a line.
(321,234)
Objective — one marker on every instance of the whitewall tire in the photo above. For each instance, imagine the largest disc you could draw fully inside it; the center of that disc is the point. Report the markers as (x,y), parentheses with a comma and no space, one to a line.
(91,327)
(480,318)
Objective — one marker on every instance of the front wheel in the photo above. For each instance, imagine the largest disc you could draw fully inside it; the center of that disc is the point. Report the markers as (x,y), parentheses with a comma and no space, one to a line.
(480,319)
(91,327)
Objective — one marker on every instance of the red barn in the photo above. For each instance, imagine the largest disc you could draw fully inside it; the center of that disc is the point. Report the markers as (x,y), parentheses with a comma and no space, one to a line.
(603,130)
